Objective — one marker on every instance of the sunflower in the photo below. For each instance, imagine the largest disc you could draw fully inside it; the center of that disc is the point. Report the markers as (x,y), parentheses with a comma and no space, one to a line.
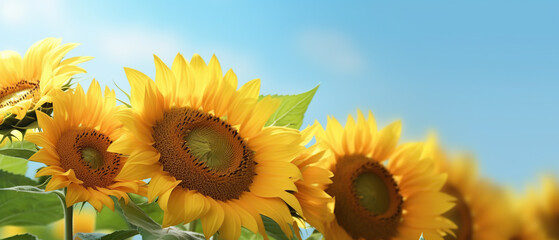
(482,210)
(26,83)
(204,145)
(74,147)
(540,212)
(9,231)
(549,206)
(527,225)
(315,202)
(374,199)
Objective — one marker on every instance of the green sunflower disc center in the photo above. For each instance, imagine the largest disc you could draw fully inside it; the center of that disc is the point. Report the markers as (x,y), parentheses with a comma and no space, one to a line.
(372,193)
(210,146)
(92,157)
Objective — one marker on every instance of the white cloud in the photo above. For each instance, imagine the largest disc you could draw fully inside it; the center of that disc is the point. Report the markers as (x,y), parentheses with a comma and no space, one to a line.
(12,12)
(17,13)
(331,49)
(125,46)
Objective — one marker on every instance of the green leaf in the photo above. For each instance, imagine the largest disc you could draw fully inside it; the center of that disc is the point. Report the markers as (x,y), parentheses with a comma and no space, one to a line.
(25,236)
(148,228)
(17,153)
(26,205)
(117,235)
(152,209)
(91,236)
(248,235)
(24,145)
(13,165)
(125,93)
(10,180)
(273,229)
(14,155)
(120,235)
(110,220)
(42,232)
(292,109)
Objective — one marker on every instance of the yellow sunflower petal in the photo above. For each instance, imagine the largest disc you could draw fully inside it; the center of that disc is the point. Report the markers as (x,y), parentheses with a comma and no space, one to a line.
(160,184)
(57,182)
(386,140)
(213,220)
(45,156)
(175,200)
(75,194)
(10,67)
(231,228)
(50,170)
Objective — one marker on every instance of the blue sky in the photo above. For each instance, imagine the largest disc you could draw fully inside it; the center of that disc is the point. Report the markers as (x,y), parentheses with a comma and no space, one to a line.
(482,74)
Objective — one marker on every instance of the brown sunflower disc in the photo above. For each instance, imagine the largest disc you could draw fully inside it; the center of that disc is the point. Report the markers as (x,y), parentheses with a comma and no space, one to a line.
(550,223)
(205,153)
(11,95)
(368,203)
(85,151)
(460,214)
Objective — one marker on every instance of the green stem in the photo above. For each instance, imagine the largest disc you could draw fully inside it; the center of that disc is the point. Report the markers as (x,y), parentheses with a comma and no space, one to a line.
(192,226)
(68,217)
(68,220)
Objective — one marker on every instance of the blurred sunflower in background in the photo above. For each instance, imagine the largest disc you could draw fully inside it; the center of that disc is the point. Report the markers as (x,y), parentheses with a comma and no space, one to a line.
(548,211)
(378,200)
(204,145)
(84,222)
(315,202)
(482,209)
(527,226)
(74,144)
(539,212)
(25,83)
(8,231)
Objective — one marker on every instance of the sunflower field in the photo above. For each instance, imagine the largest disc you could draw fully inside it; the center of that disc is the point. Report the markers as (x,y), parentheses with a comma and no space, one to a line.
(191,154)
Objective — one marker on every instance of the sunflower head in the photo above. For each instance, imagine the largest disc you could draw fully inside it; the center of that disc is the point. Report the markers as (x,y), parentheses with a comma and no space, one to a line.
(74,147)
(483,209)
(539,211)
(549,210)
(203,144)
(526,225)
(25,83)
(376,199)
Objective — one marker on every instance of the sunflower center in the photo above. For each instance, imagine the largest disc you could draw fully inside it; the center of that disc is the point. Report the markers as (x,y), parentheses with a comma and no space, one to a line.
(11,95)
(550,223)
(92,157)
(460,215)
(84,150)
(209,146)
(372,193)
(368,203)
(205,153)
